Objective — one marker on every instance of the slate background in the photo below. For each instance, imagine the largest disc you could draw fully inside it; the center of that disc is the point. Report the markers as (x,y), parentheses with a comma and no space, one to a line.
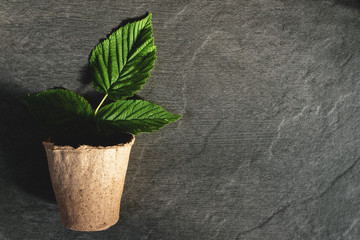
(268,147)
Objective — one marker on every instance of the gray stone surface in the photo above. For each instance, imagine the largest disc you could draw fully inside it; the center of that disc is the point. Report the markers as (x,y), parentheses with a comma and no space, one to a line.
(268,146)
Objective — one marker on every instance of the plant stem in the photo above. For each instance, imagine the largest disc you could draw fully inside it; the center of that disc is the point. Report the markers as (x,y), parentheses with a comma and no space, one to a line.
(98,107)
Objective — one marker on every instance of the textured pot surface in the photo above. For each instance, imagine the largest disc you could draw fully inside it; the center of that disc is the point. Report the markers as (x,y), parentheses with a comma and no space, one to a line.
(88,182)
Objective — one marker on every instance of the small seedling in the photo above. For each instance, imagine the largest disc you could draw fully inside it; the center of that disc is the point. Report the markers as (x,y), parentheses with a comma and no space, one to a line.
(120,66)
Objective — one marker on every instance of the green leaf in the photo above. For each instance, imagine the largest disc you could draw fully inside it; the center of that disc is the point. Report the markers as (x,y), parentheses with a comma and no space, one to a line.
(60,110)
(122,63)
(133,116)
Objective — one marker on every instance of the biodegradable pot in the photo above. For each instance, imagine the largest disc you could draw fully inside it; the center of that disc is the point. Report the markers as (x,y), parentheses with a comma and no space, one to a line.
(88,182)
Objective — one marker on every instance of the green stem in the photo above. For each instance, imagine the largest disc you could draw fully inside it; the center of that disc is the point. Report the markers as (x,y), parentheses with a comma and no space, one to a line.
(98,107)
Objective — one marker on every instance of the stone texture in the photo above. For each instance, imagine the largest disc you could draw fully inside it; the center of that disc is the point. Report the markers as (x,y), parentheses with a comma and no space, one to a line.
(268,146)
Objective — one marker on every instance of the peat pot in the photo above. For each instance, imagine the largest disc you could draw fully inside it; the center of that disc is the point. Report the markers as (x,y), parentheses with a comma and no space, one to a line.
(88,182)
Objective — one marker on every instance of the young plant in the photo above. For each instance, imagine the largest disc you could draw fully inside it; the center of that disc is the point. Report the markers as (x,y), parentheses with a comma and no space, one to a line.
(120,66)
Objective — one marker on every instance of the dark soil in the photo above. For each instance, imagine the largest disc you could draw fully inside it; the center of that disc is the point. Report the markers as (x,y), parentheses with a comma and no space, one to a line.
(92,140)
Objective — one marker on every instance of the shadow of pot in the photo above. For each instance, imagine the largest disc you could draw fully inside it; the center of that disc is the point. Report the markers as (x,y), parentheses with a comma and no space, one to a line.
(88,182)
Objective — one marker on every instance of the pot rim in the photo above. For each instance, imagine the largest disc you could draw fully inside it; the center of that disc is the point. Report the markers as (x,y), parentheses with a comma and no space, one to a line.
(51,145)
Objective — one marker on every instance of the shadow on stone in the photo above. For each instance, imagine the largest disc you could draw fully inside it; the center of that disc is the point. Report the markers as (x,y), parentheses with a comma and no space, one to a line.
(23,153)
(349,3)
